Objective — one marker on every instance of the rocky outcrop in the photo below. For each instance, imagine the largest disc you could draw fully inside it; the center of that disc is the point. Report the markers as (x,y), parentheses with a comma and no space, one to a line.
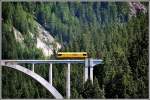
(44,40)
(136,7)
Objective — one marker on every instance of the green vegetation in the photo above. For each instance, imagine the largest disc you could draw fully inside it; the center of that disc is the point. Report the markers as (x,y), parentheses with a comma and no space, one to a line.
(103,29)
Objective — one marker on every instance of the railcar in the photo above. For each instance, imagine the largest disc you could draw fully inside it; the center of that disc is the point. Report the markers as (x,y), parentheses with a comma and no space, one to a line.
(72,55)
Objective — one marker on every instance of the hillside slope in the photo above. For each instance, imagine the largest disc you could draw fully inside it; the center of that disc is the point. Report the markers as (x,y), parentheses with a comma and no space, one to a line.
(44,40)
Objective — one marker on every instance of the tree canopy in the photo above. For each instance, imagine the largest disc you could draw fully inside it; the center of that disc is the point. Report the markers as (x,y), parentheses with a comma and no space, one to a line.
(105,30)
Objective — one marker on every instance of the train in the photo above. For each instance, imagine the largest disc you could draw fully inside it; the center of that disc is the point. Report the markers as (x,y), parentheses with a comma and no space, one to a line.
(72,55)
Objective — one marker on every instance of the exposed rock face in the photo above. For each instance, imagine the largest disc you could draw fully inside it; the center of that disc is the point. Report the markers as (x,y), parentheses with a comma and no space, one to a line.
(18,36)
(136,7)
(45,41)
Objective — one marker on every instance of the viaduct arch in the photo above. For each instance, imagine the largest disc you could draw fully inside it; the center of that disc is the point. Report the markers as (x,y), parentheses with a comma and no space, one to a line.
(38,78)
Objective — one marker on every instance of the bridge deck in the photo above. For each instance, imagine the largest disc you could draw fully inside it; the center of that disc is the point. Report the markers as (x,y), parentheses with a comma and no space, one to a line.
(50,61)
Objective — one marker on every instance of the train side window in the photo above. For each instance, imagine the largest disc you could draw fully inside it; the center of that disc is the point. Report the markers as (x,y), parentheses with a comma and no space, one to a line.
(59,54)
(84,54)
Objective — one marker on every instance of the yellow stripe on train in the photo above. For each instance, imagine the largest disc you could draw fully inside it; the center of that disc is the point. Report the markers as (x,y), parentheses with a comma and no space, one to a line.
(72,55)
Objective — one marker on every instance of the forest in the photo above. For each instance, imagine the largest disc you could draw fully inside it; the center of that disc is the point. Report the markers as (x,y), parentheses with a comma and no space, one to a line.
(106,30)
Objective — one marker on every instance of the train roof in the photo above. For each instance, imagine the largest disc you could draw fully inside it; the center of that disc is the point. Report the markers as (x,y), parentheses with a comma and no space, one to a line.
(71,52)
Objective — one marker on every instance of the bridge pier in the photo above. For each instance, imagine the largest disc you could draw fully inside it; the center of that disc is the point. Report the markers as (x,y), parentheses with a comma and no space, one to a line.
(86,70)
(33,67)
(85,74)
(91,70)
(91,74)
(50,74)
(68,82)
